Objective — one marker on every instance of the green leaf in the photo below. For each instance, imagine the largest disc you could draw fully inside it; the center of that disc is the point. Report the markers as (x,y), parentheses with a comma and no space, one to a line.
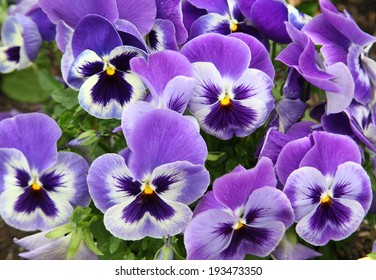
(66,97)
(24,86)
(88,238)
(75,243)
(60,231)
(114,244)
(214,156)
(372,256)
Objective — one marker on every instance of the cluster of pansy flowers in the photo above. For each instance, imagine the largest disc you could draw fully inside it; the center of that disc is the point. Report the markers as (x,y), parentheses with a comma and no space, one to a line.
(172,71)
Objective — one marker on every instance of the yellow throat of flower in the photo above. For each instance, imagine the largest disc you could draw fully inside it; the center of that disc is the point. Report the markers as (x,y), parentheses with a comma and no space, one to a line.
(35,186)
(148,190)
(225,101)
(110,71)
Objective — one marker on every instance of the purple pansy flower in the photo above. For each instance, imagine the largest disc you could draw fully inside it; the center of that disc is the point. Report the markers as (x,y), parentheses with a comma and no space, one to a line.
(343,41)
(334,79)
(244,214)
(21,43)
(328,188)
(39,187)
(101,69)
(39,247)
(147,193)
(228,98)
(289,250)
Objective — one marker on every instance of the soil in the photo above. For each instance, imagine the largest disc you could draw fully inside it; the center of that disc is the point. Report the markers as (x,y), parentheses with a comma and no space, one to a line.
(364,13)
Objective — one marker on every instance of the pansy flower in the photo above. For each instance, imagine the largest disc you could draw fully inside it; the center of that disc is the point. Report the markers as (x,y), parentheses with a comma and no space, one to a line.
(39,187)
(343,41)
(101,70)
(334,79)
(328,188)
(147,193)
(21,42)
(228,98)
(244,214)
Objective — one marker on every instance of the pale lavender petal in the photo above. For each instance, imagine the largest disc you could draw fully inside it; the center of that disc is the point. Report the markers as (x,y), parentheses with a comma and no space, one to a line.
(83,38)
(286,250)
(72,11)
(290,157)
(111,182)
(204,237)
(163,136)
(132,220)
(352,182)
(34,241)
(266,205)
(260,58)
(335,222)
(24,132)
(180,181)
(219,50)
(304,188)
(177,93)
(64,35)
(335,148)
(339,101)
(132,113)
(233,189)
(140,13)
(31,36)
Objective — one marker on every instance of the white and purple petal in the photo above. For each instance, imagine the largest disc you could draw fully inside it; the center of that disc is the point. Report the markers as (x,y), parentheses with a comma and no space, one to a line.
(180,181)
(177,93)
(162,36)
(24,132)
(111,182)
(147,215)
(331,222)
(208,234)
(211,23)
(352,182)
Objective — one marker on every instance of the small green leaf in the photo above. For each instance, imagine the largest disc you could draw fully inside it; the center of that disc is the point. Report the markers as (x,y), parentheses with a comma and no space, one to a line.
(214,156)
(372,255)
(75,243)
(114,244)
(88,238)
(66,97)
(60,231)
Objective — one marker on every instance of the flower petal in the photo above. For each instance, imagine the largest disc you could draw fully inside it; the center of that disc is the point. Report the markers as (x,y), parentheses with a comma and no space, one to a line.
(111,182)
(72,11)
(154,217)
(162,36)
(178,93)
(208,202)
(180,181)
(211,23)
(219,6)
(304,188)
(163,136)
(24,132)
(334,222)
(219,49)
(67,177)
(233,189)
(83,38)
(267,205)
(204,237)
(352,182)
(105,96)
(141,14)
(335,148)
(87,64)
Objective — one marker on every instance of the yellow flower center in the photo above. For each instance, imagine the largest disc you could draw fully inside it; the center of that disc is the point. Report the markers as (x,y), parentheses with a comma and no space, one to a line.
(225,101)
(148,190)
(110,71)
(35,186)
(239,225)
(326,200)
(233,27)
